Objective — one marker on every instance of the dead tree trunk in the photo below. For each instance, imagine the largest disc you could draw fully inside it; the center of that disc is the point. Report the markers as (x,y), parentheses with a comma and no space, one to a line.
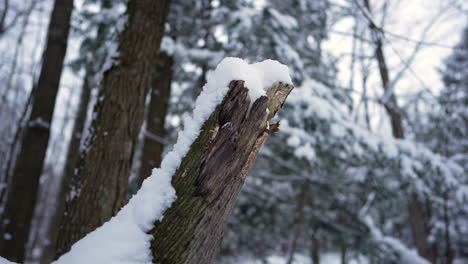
(419,220)
(211,175)
(21,198)
(154,133)
(99,188)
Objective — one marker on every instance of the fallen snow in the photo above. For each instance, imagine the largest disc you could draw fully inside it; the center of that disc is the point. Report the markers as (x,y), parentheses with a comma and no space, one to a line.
(123,239)
(5,261)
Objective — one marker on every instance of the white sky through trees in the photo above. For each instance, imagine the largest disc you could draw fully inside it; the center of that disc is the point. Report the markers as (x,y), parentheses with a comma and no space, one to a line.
(404,19)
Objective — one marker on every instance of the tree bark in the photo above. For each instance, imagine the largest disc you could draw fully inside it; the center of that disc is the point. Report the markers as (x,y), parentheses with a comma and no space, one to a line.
(99,188)
(153,145)
(21,198)
(315,247)
(299,219)
(211,175)
(419,220)
(53,194)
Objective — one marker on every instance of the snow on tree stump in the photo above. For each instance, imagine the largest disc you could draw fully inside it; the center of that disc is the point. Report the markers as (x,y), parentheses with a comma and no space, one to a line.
(180,212)
(212,173)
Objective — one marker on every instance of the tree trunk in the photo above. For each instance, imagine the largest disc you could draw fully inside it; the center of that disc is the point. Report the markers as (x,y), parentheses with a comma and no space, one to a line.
(99,188)
(299,219)
(52,221)
(3,15)
(418,218)
(315,248)
(21,198)
(53,195)
(344,250)
(200,81)
(211,175)
(420,230)
(448,254)
(154,133)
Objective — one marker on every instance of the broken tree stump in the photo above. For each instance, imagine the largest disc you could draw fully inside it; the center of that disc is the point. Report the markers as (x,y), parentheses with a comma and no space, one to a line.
(210,177)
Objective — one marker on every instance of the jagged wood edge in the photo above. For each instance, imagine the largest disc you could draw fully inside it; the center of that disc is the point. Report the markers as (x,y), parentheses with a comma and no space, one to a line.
(211,175)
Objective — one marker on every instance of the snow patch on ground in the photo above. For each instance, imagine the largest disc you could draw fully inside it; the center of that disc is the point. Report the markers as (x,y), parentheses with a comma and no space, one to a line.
(123,239)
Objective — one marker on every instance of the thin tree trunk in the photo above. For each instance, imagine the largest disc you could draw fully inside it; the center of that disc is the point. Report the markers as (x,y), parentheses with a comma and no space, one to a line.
(299,219)
(153,145)
(315,249)
(448,256)
(53,196)
(47,198)
(18,45)
(206,28)
(366,102)
(99,188)
(200,81)
(343,254)
(353,56)
(211,175)
(420,230)
(21,199)
(3,15)
(365,76)
(418,219)
(52,222)
(5,8)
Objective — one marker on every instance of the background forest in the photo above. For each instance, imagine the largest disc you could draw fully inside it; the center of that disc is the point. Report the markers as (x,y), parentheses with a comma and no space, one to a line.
(370,164)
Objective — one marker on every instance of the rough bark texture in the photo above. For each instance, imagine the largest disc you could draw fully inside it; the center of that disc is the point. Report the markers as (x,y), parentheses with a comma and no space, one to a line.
(153,146)
(53,193)
(211,175)
(418,218)
(98,189)
(21,199)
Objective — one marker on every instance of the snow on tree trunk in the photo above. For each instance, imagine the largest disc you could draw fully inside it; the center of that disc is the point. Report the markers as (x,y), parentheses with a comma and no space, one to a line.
(211,176)
(200,179)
